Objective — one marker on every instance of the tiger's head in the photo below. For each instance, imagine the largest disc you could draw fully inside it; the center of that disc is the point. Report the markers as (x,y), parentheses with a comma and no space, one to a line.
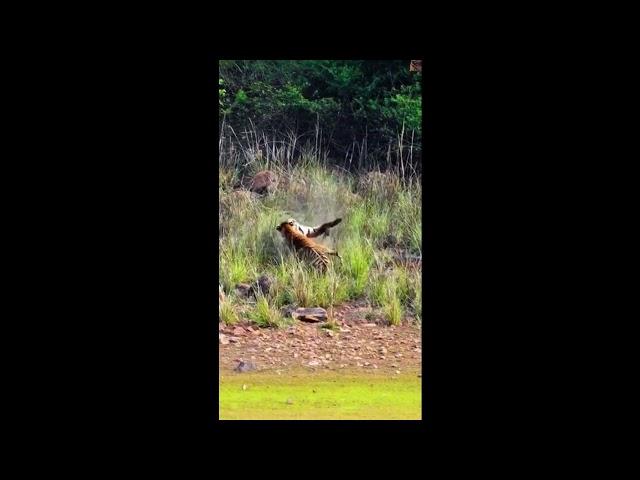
(290,221)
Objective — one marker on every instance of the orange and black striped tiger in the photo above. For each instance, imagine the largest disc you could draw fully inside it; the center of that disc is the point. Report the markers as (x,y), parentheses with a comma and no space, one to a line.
(317,254)
(313,232)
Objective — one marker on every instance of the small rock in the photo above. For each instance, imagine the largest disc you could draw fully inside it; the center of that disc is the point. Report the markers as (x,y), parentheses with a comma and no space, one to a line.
(287,311)
(265,181)
(245,367)
(314,315)
(289,401)
(314,363)
(243,290)
(234,339)
(264,284)
(239,331)
(369,325)
(222,339)
(398,372)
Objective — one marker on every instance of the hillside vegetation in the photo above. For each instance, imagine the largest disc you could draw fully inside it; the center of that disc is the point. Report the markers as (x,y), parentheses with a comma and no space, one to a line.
(344,141)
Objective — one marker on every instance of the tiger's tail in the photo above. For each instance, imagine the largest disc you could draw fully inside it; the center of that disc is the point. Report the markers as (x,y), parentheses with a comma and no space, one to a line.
(334,223)
(324,228)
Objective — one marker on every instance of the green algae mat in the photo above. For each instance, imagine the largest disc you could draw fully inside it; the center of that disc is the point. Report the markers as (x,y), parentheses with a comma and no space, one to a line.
(320,396)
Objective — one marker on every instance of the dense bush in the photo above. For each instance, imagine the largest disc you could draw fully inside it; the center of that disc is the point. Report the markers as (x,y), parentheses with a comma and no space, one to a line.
(370,111)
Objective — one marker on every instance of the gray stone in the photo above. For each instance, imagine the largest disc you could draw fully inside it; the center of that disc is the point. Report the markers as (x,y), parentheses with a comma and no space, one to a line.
(264,283)
(313,315)
(243,290)
(245,367)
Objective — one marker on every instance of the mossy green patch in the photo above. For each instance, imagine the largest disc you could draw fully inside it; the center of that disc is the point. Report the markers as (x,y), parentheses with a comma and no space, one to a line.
(304,395)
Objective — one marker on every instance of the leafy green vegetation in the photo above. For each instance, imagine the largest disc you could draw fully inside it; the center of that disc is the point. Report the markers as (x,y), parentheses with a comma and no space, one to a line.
(364,111)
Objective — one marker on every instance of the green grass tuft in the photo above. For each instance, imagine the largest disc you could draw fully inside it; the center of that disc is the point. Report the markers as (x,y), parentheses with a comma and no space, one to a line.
(228,313)
(266,315)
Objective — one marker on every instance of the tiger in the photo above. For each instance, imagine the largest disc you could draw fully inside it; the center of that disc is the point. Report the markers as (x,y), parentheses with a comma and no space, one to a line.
(313,232)
(316,253)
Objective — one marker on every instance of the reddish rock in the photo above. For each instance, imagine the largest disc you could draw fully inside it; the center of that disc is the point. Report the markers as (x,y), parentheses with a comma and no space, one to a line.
(265,181)
(239,331)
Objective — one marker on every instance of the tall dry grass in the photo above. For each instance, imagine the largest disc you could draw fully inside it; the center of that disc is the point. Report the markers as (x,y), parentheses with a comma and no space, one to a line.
(381,212)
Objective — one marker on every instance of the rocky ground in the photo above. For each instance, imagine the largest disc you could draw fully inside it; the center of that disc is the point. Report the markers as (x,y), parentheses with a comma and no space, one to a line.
(358,342)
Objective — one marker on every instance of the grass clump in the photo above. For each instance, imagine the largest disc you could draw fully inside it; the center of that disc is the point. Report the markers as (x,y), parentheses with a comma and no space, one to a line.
(228,313)
(265,315)
(393,310)
(357,258)
(417,303)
